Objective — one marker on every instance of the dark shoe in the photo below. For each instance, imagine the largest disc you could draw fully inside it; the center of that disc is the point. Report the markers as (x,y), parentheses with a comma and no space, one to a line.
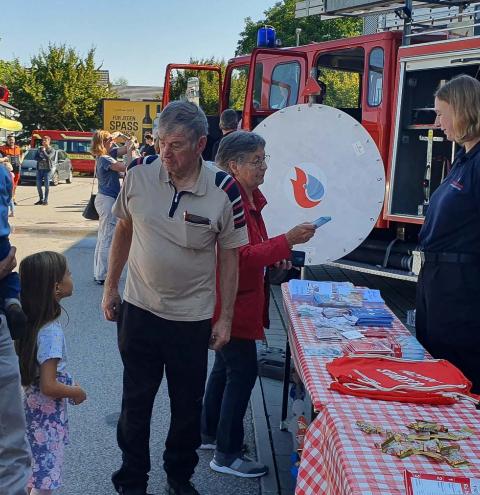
(17,321)
(39,202)
(131,491)
(180,488)
(99,282)
(128,490)
(15,203)
(45,203)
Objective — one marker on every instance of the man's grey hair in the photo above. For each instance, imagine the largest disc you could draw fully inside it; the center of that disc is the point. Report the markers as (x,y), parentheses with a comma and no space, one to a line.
(229,120)
(185,115)
(236,146)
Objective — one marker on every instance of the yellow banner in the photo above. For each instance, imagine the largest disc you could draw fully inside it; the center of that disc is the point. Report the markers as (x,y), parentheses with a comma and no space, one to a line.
(10,125)
(130,117)
(80,156)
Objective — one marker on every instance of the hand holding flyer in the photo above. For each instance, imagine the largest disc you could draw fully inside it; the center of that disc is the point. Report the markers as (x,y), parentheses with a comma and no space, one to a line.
(321,221)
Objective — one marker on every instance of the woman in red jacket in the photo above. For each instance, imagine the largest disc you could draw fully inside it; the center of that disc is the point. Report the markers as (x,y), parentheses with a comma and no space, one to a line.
(233,376)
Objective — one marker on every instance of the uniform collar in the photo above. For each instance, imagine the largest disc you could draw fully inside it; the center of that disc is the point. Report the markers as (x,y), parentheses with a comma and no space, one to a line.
(463,156)
(199,188)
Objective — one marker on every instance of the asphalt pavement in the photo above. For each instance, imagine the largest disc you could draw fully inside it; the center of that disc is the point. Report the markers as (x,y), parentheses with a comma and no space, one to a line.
(62,215)
(93,356)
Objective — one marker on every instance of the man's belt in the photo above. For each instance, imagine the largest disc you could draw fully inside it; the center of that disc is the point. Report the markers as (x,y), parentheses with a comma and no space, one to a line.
(427,257)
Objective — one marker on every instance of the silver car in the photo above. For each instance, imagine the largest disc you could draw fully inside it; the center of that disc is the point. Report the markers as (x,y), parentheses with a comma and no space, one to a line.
(61,168)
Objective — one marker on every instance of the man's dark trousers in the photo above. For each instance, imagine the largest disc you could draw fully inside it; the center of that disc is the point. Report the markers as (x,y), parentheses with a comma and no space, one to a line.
(149,345)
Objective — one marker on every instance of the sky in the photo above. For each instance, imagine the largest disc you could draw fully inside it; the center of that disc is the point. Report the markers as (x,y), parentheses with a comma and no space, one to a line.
(135,39)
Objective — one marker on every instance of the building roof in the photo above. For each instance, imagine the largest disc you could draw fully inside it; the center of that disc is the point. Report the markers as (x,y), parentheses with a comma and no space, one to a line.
(139,92)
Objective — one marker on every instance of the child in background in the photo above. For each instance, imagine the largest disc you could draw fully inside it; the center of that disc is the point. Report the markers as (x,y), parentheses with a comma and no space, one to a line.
(9,285)
(46,280)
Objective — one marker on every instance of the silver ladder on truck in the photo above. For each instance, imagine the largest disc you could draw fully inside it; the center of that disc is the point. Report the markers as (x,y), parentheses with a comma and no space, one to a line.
(458,18)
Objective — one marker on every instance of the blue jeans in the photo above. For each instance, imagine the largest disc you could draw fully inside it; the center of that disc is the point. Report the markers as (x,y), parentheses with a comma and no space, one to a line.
(228,392)
(43,176)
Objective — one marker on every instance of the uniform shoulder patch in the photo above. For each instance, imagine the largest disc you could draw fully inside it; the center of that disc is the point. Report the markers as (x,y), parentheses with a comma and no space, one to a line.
(227,184)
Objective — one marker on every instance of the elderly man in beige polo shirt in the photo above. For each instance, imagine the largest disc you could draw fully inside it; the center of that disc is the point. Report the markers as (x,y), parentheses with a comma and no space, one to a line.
(177,217)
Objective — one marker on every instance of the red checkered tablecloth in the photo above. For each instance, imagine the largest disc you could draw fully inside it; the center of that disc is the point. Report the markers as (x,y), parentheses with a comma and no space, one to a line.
(338,458)
(301,334)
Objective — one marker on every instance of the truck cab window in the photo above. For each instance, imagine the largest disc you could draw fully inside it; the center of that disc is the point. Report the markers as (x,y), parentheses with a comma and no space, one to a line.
(238,87)
(284,85)
(342,73)
(375,77)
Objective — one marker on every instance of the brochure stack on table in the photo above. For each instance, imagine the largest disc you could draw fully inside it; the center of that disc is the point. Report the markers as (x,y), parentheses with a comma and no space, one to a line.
(338,458)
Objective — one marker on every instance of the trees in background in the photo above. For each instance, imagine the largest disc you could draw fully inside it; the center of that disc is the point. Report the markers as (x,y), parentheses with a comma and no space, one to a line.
(60,90)
(282,17)
(342,87)
(208,85)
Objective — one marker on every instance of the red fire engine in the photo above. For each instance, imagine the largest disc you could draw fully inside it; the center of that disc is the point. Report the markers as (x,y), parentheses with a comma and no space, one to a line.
(392,76)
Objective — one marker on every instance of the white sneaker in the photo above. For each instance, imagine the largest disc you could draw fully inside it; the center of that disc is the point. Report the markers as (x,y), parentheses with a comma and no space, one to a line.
(243,467)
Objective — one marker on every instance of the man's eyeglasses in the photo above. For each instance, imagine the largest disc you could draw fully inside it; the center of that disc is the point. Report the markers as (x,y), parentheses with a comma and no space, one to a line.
(260,162)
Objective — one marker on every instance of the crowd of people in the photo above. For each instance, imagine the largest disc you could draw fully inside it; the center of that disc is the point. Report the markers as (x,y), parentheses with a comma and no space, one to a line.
(198,253)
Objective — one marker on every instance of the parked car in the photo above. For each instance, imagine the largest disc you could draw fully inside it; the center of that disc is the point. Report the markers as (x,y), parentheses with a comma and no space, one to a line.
(61,169)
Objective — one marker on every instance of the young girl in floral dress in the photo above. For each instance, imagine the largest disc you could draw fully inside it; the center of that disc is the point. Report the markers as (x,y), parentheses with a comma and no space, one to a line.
(45,281)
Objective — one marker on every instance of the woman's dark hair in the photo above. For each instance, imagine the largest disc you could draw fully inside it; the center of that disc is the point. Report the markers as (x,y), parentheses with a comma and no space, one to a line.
(39,274)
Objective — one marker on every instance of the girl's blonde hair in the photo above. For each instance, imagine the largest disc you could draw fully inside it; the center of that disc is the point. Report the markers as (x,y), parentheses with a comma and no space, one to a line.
(462,93)
(39,274)
(97,147)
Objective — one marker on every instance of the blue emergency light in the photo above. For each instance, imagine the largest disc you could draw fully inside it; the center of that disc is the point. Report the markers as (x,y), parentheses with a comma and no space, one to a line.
(266,37)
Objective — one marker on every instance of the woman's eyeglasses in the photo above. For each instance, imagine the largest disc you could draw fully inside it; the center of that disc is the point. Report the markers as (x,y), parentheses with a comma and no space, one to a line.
(260,162)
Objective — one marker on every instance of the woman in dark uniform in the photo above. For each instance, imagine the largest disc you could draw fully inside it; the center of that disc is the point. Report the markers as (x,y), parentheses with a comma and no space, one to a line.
(448,290)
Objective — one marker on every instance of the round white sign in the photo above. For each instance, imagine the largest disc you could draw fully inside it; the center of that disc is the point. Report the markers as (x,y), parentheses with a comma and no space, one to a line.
(323,163)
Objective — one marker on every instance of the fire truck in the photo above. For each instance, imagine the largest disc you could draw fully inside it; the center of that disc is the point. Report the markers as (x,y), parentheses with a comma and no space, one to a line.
(391,73)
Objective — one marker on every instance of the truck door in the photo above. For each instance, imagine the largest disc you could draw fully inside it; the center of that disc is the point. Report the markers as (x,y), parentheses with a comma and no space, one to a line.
(421,155)
(275,80)
(201,84)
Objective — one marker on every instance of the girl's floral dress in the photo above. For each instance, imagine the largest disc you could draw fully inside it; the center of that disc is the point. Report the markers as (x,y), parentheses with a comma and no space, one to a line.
(47,424)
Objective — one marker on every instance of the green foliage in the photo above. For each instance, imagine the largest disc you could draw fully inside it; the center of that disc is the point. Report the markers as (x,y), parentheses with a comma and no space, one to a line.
(208,84)
(238,88)
(343,88)
(282,17)
(60,90)
(208,81)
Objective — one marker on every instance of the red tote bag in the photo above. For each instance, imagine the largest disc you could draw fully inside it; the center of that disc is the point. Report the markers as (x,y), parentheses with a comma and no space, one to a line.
(434,381)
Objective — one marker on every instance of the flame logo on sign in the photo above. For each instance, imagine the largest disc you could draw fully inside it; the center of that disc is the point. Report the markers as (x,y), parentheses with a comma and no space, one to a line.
(307,189)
